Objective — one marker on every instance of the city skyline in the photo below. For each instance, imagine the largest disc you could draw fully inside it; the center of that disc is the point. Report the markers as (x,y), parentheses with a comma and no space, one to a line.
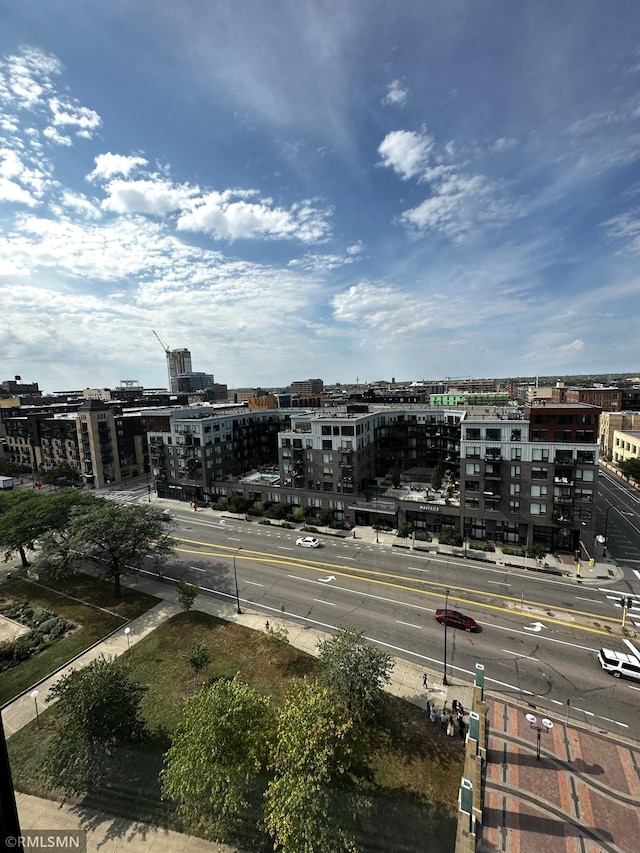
(351,192)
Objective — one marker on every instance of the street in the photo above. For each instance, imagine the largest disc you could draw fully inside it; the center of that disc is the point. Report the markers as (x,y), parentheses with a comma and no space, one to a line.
(538,636)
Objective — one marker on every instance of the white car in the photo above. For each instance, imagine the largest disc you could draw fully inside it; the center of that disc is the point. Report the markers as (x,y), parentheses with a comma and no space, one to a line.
(308,542)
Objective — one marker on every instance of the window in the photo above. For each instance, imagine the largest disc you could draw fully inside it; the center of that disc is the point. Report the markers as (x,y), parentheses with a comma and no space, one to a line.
(515,471)
(472,433)
(516,454)
(538,491)
(327,458)
(473,452)
(516,435)
(472,468)
(539,454)
(539,473)
(514,488)
(327,444)
(587,475)
(472,503)
(537,509)
(472,485)
(492,434)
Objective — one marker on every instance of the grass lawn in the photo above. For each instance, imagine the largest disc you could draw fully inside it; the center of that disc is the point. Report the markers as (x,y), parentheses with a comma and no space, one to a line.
(87,602)
(416,769)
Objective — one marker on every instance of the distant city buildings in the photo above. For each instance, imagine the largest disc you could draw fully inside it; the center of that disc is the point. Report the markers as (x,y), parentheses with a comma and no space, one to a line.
(514,475)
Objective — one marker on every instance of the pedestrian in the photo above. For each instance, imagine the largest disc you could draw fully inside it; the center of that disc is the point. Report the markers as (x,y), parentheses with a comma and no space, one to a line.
(461,728)
(266,627)
(425,681)
(444,720)
(432,714)
(195,507)
(450,727)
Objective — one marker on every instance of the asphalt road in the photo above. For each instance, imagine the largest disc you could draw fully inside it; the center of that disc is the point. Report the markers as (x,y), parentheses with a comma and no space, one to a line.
(538,636)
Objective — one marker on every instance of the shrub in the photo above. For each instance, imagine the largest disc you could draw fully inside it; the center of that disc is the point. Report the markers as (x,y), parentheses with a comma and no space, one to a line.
(513,552)
(450,536)
(481,546)
(264,521)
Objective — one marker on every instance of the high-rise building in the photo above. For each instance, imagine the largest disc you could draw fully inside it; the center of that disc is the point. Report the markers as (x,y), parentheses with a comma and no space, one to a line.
(178,364)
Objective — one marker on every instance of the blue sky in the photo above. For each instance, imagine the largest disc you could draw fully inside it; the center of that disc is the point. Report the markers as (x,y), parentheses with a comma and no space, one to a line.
(348,190)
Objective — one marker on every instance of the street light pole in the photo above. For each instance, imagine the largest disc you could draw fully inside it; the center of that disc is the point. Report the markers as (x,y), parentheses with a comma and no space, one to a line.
(444,677)
(127,631)
(34,696)
(235,576)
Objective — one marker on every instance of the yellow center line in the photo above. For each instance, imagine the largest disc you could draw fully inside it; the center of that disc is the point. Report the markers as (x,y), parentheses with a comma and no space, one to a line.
(375,577)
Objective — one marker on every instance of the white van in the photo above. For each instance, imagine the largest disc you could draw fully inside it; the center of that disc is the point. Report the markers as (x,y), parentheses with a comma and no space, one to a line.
(620,664)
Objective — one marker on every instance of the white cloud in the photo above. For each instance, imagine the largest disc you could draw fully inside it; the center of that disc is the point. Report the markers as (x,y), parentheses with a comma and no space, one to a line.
(25,78)
(227,217)
(406,152)
(153,196)
(54,135)
(355,248)
(10,191)
(397,94)
(625,228)
(69,114)
(108,165)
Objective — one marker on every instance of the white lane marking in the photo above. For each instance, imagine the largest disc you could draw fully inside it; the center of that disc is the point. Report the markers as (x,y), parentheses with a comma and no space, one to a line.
(254,583)
(583,711)
(196,569)
(500,583)
(556,701)
(322,601)
(284,548)
(518,655)
(609,720)
(408,624)
(233,539)
(593,600)
(636,573)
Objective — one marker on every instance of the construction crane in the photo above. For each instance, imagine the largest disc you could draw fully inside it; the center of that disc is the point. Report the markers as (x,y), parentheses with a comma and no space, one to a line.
(164,347)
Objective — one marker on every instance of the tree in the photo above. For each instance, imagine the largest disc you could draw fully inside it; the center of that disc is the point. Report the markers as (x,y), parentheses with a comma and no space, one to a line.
(117,538)
(354,669)
(99,706)
(630,468)
(53,518)
(395,476)
(197,657)
(438,474)
(316,798)
(187,594)
(62,475)
(20,523)
(214,767)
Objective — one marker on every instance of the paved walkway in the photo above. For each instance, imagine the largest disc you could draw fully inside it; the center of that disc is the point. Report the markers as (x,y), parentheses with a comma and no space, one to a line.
(581,796)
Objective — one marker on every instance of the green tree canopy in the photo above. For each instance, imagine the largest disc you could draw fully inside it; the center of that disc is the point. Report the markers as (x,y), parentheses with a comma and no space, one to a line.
(438,474)
(355,669)
(20,522)
(197,657)
(214,767)
(631,468)
(117,538)
(62,475)
(99,706)
(316,800)
(53,514)
(187,594)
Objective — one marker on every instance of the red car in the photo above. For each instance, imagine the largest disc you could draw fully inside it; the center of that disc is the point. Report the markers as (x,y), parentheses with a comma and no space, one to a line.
(456,620)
